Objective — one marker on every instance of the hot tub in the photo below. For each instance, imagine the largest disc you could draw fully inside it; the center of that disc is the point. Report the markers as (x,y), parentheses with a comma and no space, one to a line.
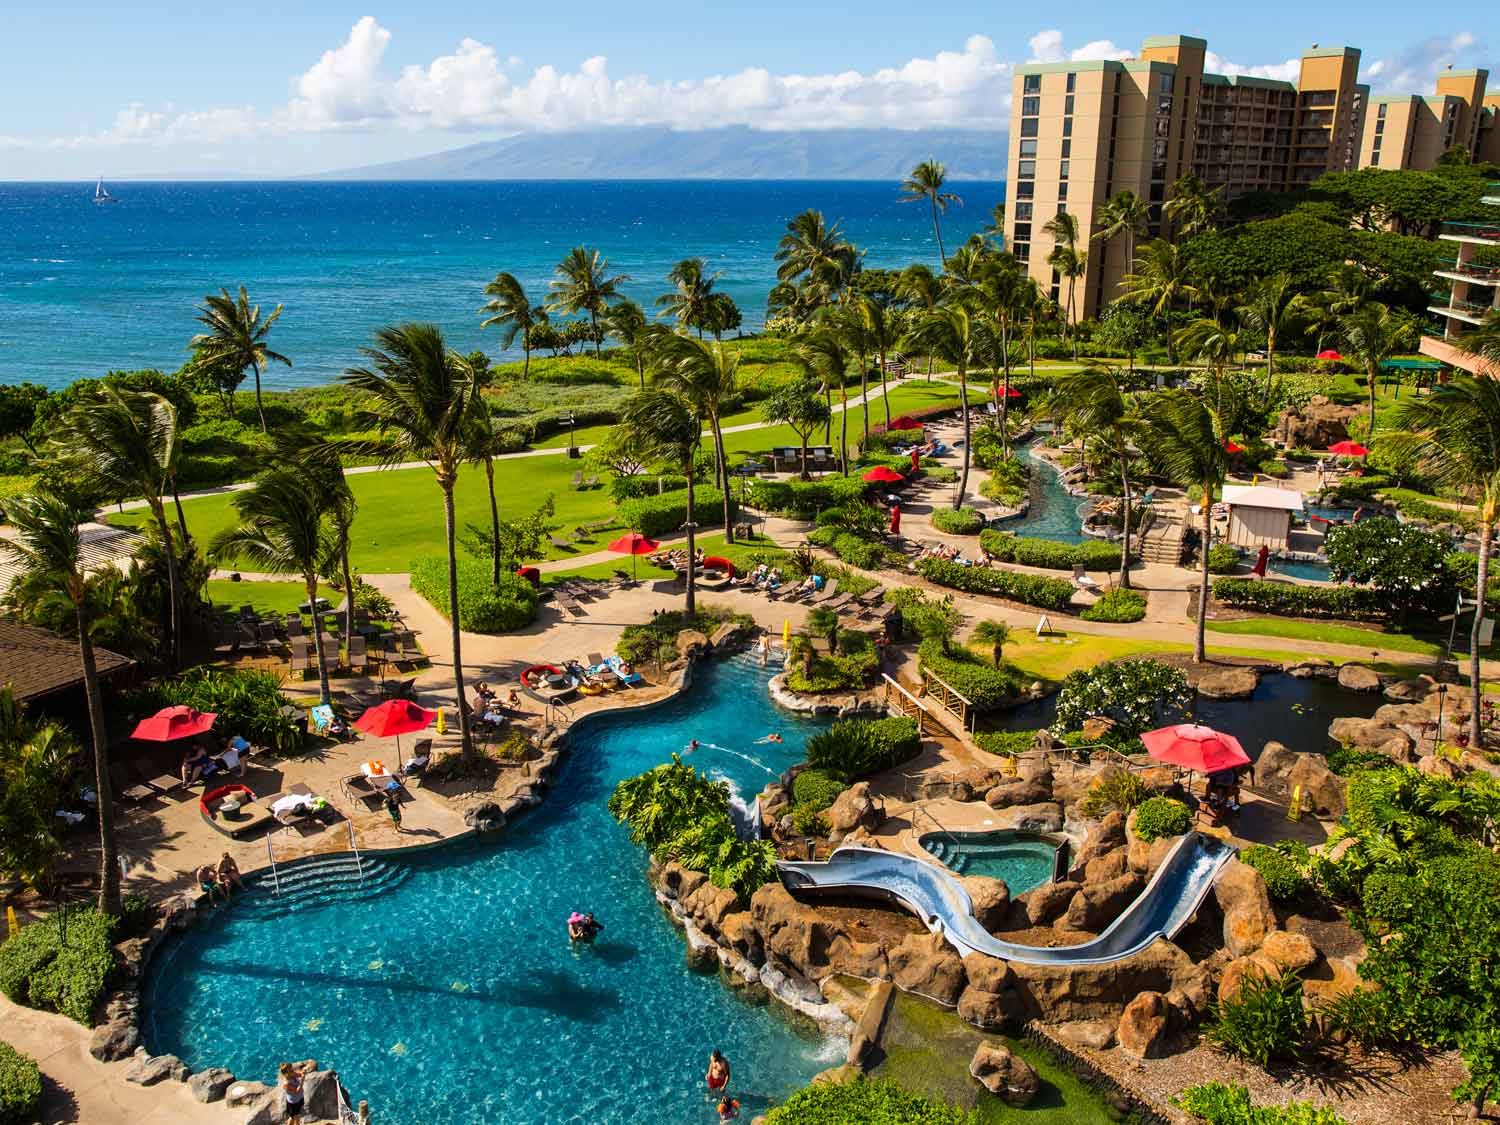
(1022,859)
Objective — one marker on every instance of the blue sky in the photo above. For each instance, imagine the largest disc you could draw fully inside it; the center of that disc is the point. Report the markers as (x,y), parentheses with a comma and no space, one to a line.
(285,88)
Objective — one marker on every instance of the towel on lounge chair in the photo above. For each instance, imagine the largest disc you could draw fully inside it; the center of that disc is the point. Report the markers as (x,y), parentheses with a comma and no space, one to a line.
(616,664)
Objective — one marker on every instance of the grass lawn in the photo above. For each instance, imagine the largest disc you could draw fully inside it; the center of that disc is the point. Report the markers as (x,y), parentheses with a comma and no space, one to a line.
(1327,631)
(738,553)
(270,599)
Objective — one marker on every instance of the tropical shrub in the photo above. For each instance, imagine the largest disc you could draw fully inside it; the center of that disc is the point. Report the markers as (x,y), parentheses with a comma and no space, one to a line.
(808,820)
(663,515)
(1029,589)
(1284,882)
(817,788)
(1403,563)
(965,521)
(1346,760)
(646,484)
(1161,816)
(833,671)
(656,639)
(1118,605)
(248,703)
(862,519)
(987,448)
(1264,1021)
(869,1101)
(1135,694)
(1121,790)
(1349,602)
(20,1086)
(803,499)
(854,550)
(1223,558)
(1217,1103)
(37,763)
(970,674)
(38,969)
(1049,553)
(857,747)
(1006,743)
(483,606)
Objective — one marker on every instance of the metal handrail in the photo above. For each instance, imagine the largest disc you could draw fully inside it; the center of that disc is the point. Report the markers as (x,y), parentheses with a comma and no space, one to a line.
(271,855)
(358,863)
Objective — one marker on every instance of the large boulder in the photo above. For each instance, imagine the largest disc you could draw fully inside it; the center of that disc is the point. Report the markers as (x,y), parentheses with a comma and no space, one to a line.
(1330,980)
(1064,992)
(678,881)
(1229,683)
(1003,1074)
(1434,765)
(962,785)
(1310,667)
(813,945)
(1241,969)
(1047,816)
(1370,734)
(1271,768)
(1248,917)
(710,905)
(1406,691)
(991,899)
(245,1093)
(853,808)
(1109,866)
(1317,425)
(1289,952)
(1356,677)
(1011,791)
(691,644)
(1103,838)
(1322,789)
(1045,903)
(1096,905)
(1143,1026)
(1145,858)
(990,1001)
(151,1069)
(928,965)
(209,1085)
(115,1040)
(1097,1035)
(486,817)
(320,1095)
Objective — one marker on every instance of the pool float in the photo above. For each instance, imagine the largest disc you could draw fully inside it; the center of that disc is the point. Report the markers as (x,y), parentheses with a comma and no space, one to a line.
(548,682)
(591,689)
(242,815)
(725,570)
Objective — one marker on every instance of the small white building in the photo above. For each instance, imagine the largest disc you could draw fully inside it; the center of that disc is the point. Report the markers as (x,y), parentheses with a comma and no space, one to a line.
(1261,515)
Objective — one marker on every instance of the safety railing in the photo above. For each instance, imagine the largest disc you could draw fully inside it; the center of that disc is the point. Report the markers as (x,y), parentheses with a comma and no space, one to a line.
(359,864)
(948,697)
(1489,232)
(943,830)
(1468,269)
(271,858)
(904,702)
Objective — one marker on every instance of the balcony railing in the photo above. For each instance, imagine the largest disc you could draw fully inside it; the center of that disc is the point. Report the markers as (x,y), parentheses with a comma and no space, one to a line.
(1489,232)
(1474,308)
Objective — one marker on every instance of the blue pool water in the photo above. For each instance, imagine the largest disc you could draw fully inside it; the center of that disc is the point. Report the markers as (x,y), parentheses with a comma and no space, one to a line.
(453,996)
(1298,568)
(1053,514)
(1021,862)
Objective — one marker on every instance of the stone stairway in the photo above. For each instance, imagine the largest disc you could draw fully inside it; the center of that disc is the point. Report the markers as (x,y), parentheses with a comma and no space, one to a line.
(1163,542)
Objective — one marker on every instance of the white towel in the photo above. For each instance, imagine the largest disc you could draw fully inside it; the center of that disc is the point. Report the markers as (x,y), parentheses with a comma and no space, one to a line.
(292,802)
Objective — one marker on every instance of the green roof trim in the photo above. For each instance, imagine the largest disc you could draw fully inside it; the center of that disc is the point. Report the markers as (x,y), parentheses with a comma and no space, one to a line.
(1174,41)
(1411,365)
(1081,66)
(1395,99)
(1472,72)
(1330,52)
(1249,82)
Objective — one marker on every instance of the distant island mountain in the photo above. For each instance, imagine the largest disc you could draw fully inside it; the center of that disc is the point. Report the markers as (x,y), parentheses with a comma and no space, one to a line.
(732,153)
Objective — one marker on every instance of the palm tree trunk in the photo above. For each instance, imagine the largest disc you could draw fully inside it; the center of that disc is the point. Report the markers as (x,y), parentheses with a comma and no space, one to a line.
(1200,650)
(310,584)
(177,503)
(692,553)
(719,449)
(844,428)
(489,479)
(640,370)
(1125,518)
(593,324)
(259,408)
(963,476)
(1372,369)
(1270,366)
(348,574)
(884,394)
(1486,533)
(174,599)
(828,401)
(938,232)
(109,865)
(864,395)
(1073,317)
(805,474)
(525,355)
(446,483)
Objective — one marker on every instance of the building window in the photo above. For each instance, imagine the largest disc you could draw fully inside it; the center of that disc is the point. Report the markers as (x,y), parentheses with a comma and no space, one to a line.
(1023,212)
(1023,230)
(1030,107)
(1067,149)
(1031,84)
(1380,113)
(1379,127)
(1068,104)
(1062,192)
(1165,85)
(1158,192)
(1026,169)
(1067,126)
(1062,170)
(1028,126)
(1072,80)
(1025,189)
(1022,251)
(1028,148)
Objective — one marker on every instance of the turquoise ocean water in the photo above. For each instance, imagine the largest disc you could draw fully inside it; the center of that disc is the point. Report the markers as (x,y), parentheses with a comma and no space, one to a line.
(86,289)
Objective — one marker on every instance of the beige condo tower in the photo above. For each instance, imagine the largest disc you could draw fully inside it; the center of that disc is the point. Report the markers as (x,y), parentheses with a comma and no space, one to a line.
(1410,131)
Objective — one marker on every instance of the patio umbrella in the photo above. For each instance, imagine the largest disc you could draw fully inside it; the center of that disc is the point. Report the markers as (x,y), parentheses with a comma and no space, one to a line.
(1329,353)
(171,723)
(1197,748)
(881,475)
(1348,449)
(395,717)
(633,544)
(905,422)
(1009,392)
(1231,447)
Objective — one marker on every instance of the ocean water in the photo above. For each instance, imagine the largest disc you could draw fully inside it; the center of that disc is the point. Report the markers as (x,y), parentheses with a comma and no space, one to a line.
(454,995)
(85,289)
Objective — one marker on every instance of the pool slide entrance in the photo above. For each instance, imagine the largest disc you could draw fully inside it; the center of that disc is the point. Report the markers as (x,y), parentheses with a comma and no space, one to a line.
(937,897)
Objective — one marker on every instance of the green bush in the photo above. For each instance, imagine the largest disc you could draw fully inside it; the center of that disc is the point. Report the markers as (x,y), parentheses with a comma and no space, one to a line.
(664,515)
(483,607)
(1028,589)
(1122,790)
(803,499)
(1133,694)
(1118,605)
(1223,558)
(20,1086)
(1351,602)
(964,521)
(645,484)
(1284,882)
(1264,1021)
(832,671)
(1346,760)
(816,788)
(1161,816)
(853,549)
(1049,553)
(1217,1103)
(135,915)
(869,1101)
(970,674)
(809,820)
(37,968)
(656,639)
(248,703)
(856,747)
(1006,743)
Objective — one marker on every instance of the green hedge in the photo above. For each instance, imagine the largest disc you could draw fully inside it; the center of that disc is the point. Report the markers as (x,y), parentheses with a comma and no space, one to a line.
(1349,602)
(964,521)
(803,499)
(1223,558)
(1049,553)
(971,675)
(644,484)
(664,515)
(38,969)
(1118,606)
(1161,816)
(856,747)
(482,606)
(868,1101)
(1283,881)
(1029,589)
(1006,743)
(850,548)
(817,788)
(20,1086)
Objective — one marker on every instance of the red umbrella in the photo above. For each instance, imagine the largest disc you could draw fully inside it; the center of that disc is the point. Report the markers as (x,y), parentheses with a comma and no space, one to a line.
(1195,747)
(1009,392)
(395,717)
(881,475)
(1231,447)
(1329,353)
(171,723)
(633,544)
(905,422)
(1348,449)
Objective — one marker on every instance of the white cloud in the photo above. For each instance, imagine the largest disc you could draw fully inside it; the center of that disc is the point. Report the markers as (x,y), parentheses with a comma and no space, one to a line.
(1414,69)
(1047,47)
(1282,71)
(345,83)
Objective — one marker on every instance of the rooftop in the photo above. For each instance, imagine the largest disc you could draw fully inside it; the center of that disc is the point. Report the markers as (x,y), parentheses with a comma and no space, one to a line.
(36,662)
(1262,496)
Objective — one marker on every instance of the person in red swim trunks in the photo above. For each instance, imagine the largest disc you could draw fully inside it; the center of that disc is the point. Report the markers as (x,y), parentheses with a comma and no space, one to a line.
(718,1071)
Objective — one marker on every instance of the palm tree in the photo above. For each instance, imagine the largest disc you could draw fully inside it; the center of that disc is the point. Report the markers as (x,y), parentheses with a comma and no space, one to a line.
(1159,282)
(1371,334)
(1193,206)
(1214,292)
(1062,228)
(1212,342)
(627,323)
(921,287)
(322,463)
(421,397)
(47,550)
(667,427)
(926,182)
(1184,441)
(882,331)
(1271,307)
(125,444)
(1123,214)
(510,307)
(703,374)
(236,338)
(1454,433)
(282,530)
(692,292)
(949,333)
(1317,313)
(994,634)
(1092,404)
(483,444)
(799,303)
(583,285)
(823,354)
(813,248)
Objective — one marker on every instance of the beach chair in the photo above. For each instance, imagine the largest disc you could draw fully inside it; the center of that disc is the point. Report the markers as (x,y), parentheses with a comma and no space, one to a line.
(560,543)
(590,481)
(294,625)
(826,595)
(410,650)
(1083,581)
(301,658)
(128,786)
(321,717)
(578,480)
(357,655)
(267,630)
(837,603)
(871,597)
(329,646)
(249,635)
(247,612)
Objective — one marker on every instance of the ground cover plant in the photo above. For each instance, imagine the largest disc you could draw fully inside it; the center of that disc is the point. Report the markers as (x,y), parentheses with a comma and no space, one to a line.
(20,1086)
(971,675)
(1119,606)
(1264,1022)
(869,1101)
(1284,882)
(483,605)
(41,970)
(1134,694)
(1029,589)
(1302,601)
(964,521)
(1218,1103)
(1157,817)
(1049,553)
(855,748)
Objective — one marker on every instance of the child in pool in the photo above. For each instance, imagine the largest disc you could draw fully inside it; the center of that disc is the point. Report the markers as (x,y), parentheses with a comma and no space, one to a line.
(729,1108)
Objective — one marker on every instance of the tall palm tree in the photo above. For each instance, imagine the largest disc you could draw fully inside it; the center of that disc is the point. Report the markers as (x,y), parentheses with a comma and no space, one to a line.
(824,355)
(484,443)
(949,333)
(236,338)
(1214,292)
(1001,293)
(282,530)
(1318,314)
(1065,257)
(1454,433)
(510,308)
(921,288)
(799,303)
(583,284)
(1371,334)
(1271,307)
(667,427)
(692,292)
(926,181)
(1212,342)
(627,323)
(704,375)
(883,330)
(1123,214)
(1092,404)
(421,397)
(322,463)
(46,549)
(812,248)
(1184,441)
(1193,206)
(1159,283)
(125,444)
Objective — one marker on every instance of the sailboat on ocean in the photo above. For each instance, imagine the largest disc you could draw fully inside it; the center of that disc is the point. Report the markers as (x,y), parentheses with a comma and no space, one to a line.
(101,194)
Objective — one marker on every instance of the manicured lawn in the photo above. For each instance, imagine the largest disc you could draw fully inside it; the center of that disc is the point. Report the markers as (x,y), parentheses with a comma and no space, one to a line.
(738,553)
(1326,631)
(270,599)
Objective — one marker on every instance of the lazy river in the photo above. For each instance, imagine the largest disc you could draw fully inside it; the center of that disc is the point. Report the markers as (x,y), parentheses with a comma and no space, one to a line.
(444,989)
(1051,513)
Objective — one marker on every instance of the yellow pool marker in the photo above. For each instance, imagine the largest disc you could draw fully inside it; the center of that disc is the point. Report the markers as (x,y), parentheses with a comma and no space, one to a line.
(786,633)
(442,723)
(12,927)
(1294,810)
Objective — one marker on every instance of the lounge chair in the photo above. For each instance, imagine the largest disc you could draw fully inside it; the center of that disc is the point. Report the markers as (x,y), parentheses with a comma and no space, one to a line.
(357,656)
(128,786)
(301,658)
(371,791)
(829,590)
(871,597)
(294,625)
(1083,581)
(590,481)
(837,603)
(560,543)
(322,718)
(411,652)
(578,479)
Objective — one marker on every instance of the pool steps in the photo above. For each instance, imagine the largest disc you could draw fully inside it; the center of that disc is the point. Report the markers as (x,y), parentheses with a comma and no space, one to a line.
(333,878)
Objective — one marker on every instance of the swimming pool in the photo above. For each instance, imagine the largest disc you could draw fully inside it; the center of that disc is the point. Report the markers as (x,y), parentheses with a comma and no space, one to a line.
(1051,513)
(1023,860)
(1299,568)
(454,996)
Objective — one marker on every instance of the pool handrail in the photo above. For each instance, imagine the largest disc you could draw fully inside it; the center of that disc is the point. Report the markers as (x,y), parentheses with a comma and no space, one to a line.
(939,899)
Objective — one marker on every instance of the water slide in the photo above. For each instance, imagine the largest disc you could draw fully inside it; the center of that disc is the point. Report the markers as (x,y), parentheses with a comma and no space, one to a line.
(937,897)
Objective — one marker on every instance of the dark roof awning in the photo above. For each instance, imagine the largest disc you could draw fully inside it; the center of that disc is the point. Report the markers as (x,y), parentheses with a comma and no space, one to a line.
(38,662)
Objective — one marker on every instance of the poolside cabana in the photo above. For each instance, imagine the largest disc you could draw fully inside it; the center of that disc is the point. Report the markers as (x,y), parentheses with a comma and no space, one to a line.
(1260,515)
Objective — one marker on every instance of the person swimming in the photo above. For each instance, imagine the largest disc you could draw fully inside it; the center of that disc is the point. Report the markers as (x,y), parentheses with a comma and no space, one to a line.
(583,927)
(729,1108)
(718,1072)
(691,746)
(773,737)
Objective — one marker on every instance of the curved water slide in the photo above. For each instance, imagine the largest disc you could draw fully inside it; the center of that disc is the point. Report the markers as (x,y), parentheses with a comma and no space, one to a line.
(937,897)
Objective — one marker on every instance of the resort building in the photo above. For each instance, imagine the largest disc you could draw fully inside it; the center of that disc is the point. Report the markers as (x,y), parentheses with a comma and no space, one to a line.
(1082,131)
(1472,280)
(1487,147)
(1412,131)
(1261,516)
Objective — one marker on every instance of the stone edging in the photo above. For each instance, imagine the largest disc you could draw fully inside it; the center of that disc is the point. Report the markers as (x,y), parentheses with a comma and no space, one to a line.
(841,704)
(1140,1103)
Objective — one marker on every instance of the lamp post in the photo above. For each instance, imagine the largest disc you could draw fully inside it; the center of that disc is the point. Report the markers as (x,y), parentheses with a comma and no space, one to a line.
(572,448)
